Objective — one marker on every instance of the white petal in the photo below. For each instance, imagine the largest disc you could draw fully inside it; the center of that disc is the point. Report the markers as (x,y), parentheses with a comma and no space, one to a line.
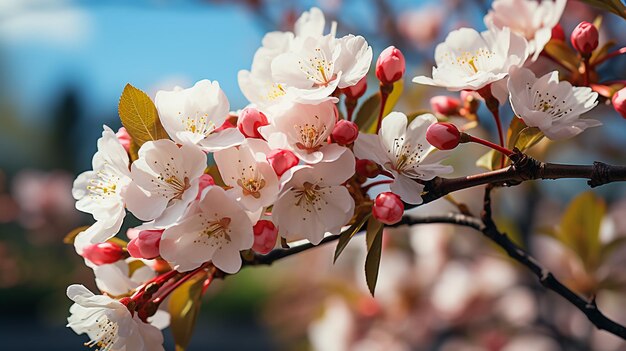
(408,189)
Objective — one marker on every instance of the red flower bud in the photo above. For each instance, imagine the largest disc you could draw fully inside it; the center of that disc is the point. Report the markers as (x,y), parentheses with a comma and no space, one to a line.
(124,138)
(619,102)
(205,181)
(388,208)
(103,253)
(585,38)
(281,160)
(558,33)
(390,66)
(146,244)
(345,132)
(265,234)
(367,168)
(443,136)
(356,91)
(249,122)
(445,105)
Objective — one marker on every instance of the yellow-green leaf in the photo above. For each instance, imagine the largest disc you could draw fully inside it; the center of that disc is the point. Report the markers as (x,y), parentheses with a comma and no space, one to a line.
(560,51)
(139,116)
(486,161)
(528,137)
(345,236)
(374,239)
(580,227)
(184,306)
(367,115)
(69,238)
(614,6)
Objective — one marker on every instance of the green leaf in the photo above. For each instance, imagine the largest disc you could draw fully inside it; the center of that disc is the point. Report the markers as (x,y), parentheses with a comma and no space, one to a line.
(345,236)
(139,116)
(560,51)
(528,137)
(184,306)
(367,115)
(580,228)
(486,161)
(374,239)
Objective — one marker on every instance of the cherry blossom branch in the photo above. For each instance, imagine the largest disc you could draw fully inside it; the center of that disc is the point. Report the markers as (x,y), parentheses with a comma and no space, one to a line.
(525,168)
(545,277)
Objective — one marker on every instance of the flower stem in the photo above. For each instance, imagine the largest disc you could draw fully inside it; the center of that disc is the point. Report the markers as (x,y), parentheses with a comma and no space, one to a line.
(378,182)
(385,90)
(494,107)
(500,149)
(609,56)
(179,282)
(350,106)
(587,68)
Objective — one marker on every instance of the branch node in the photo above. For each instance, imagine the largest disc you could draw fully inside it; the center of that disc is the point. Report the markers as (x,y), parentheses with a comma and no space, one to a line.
(527,168)
(600,174)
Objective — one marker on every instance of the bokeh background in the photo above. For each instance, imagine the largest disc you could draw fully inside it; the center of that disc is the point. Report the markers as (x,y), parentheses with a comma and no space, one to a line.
(63,65)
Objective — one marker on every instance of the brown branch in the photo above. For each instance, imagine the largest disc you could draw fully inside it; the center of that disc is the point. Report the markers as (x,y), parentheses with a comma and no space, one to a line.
(545,277)
(525,168)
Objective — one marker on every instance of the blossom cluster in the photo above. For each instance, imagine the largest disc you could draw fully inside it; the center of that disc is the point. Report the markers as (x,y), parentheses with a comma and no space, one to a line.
(289,165)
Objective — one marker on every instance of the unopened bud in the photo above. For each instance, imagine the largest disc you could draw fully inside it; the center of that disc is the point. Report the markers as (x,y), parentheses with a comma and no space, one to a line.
(585,38)
(388,208)
(103,253)
(124,138)
(146,244)
(265,234)
(205,181)
(249,121)
(558,33)
(443,136)
(619,102)
(345,132)
(367,168)
(356,91)
(445,105)
(281,160)
(390,66)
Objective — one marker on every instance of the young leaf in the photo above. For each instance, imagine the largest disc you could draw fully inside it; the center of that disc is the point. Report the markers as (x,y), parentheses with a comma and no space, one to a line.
(374,236)
(561,52)
(69,238)
(615,6)
(580,227)
(367,115)
(486,161)
(344,237)
(139,116)
(184,306)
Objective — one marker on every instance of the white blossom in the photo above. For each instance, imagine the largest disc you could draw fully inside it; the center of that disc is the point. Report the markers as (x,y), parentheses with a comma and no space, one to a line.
(192,115)
(552,106)
(216,232)
(303,129)
(165,180)
(468,60)
(101,191)
(245,169)
(109,324)
(314,201)
(404,152)
(531,19)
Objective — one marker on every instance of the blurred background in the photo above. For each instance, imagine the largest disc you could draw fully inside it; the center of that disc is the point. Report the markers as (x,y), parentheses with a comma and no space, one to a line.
(63,65)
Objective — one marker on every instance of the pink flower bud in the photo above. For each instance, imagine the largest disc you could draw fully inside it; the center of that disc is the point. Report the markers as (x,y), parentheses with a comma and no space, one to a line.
(585,38)
(146,244)
(356,91)
(443,136)
(388,208)
(445,105)
(345,132)
(558,33)
(390,66)
(281,160)
(249,122)
(124,138)
(205,180)
(619,102)
(265,234)
(103,253)
(367,168)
